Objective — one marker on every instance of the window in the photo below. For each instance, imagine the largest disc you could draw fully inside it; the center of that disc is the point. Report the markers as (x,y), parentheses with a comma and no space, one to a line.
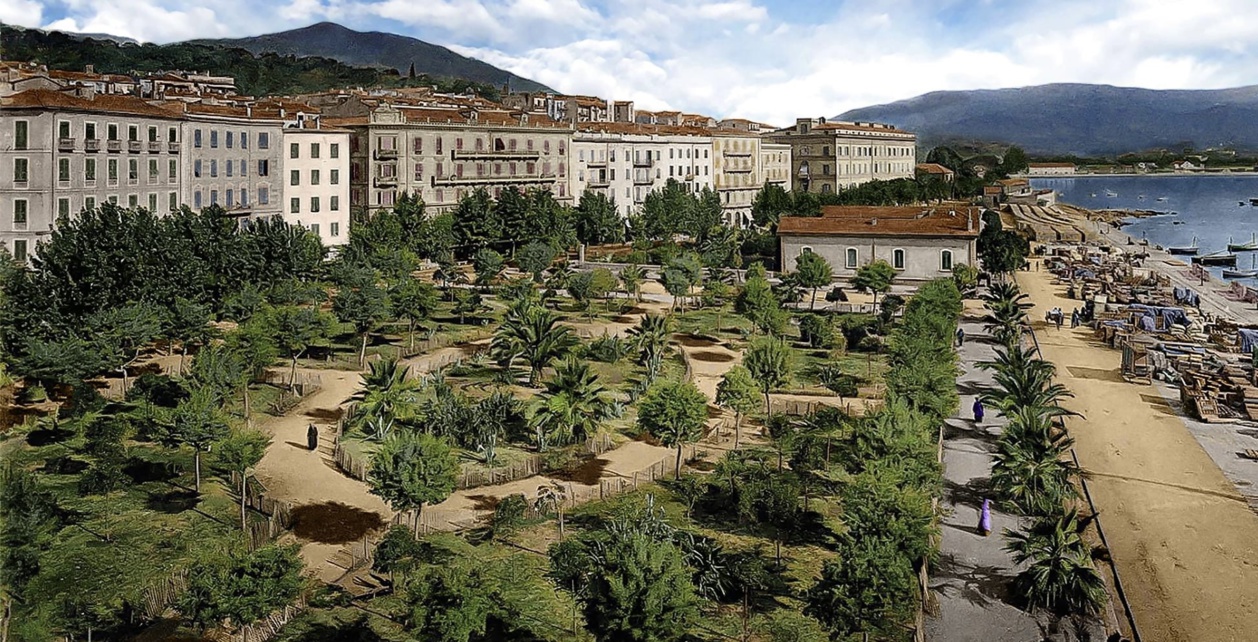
(334,176)
(21,170)
(213,139)
(19,214)
(63,129)
(172,168)
(89,131)
(335,228)
(264,195)
(63,207)
(63,170)
(133,201)
(231,197)
(244,168)
(113,198)
(89,203)
(334,204)
(244,197)
(314,177)
(196,199)
(153,137)
(172,201)
(805,250)
(213,197)
(153,202)
(294,177)
(897,259)
(851,257)
(133,170)
(314,229)
(21,132)
(294,150)
(314,150)
(264,166)
(945,260)
(170,136)
(244,140)
(196,138)
(153,170)
(334,150)
(133,133)
(264,140)
(231,136)
(113,171)
(314,203)
(19,249)
(294,205)
(227,167)
(196,168)
(213,168)
(111,132)
(89,170)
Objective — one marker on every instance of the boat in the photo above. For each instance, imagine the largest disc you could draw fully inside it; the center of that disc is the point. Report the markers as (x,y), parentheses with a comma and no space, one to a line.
(1184,249)
(1161,199)
(1243,274)
(1093,194)
(1111,193)
(1244,247)
(1140,197)
(1216,258)
(1254,202)
(1240,203)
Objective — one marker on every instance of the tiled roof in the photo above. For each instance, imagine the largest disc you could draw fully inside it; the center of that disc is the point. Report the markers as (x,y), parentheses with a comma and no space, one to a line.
(933,168)
(56,100)
(885,221)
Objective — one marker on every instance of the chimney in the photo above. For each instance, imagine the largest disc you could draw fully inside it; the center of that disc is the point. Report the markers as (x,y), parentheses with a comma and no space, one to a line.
(969,221)
(873,221)
(91,69)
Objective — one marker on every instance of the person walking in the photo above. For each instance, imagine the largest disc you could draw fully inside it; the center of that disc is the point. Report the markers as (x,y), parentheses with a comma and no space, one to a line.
(985,518)
(978,411)
(312,437)
(960,337)
(1060,317)
(1074,318)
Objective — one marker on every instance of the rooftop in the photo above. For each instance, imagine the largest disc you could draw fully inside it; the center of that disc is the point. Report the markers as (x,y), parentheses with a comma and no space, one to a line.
(956,222)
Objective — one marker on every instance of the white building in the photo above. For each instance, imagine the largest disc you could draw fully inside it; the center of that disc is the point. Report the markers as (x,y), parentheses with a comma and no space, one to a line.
(315,167)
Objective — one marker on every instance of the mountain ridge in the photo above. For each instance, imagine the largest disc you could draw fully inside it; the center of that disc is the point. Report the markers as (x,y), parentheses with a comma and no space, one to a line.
(376,48)
(1078,118)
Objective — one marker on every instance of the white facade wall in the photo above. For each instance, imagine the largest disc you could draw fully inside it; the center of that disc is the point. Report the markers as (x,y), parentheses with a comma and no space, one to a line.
(630,166)
(923,258)
(315,168)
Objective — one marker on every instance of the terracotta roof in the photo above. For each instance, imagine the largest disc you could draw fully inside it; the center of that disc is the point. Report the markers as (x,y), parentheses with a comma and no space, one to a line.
(56,100)
(991,189)
(933,168)
(884,221)
(643,129)
(1012,182)
(1051,164)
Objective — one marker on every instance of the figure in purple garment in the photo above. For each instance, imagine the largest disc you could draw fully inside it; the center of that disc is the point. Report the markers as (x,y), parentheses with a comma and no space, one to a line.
(985,518)
(978,411)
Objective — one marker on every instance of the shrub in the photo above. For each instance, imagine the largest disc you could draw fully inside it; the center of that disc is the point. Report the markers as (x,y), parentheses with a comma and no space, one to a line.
(817,331)
(509,514)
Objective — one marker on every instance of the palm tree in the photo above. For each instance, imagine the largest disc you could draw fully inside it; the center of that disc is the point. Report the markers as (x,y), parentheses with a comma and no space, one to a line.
(631,278)
(1060,575)
(1037,480)
(531,333)
(387,392)
(571,408)
(551,498)
(651,338)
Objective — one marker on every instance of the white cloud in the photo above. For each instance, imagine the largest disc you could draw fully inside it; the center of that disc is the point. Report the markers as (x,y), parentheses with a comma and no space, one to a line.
(22,12)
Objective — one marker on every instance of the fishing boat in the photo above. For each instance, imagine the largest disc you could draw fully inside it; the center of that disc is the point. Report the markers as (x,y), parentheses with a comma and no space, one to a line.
(1254,202)
(1243,274)
(1216,258)
(1184,249)
(1244,247)
(1111,193)
(1161,199)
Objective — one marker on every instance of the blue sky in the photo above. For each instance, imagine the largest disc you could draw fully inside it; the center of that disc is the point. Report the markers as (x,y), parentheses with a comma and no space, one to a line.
(770,60)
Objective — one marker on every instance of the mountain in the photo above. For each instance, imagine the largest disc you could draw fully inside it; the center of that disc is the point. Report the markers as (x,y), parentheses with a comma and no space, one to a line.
(374,48)
(1080,119)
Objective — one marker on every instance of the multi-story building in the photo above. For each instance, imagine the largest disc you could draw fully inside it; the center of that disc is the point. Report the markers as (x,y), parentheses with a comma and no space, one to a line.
(627,161)
(739,174)
(444,153)
(316,188)
(60,154)
(775,164)
(831,156)
(234,158)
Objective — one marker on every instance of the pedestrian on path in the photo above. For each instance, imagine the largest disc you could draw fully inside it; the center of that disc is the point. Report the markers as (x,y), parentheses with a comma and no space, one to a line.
(312,437)
(1060,316)
(978,411)
(960,337)
(985,518)
(1074,318)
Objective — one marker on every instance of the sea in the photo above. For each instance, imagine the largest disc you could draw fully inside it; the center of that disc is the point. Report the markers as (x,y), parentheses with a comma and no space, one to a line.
(1209,208)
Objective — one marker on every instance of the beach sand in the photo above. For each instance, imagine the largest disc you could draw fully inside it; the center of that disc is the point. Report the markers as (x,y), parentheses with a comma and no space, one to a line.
(1182,537)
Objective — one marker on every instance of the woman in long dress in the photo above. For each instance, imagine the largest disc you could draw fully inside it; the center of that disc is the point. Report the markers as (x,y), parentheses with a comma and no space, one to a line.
(985,518)
(978,411)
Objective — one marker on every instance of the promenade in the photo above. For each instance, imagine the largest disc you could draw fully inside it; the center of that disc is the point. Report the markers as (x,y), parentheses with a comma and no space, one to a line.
(1182,537)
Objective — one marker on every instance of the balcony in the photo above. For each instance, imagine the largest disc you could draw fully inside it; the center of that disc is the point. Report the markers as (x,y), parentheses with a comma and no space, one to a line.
(599,182)
(155,147)
(451,181)
(737,154)
(385,181)
(65,144)
(91,144)
(643,179)
(596,163)
(134,146)
(494,155)
(113,145)
(172,147)
(646,162)
(382,154)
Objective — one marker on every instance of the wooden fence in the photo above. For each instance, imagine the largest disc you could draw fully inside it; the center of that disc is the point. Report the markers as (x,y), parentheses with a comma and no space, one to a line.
(160,596)
(279,513)
(303,384)
(442,341)
(270,626)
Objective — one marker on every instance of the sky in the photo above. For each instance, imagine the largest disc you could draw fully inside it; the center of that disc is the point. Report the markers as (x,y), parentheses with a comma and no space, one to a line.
(768,60)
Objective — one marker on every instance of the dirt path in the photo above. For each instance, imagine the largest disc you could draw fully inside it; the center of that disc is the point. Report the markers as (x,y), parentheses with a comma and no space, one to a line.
(1183,538)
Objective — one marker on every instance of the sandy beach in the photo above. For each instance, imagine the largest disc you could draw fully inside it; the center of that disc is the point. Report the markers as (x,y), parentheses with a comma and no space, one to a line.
(1183,538)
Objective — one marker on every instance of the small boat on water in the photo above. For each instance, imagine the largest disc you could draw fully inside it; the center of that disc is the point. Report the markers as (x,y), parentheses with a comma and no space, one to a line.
(1254,202)
(1093,194)
(1111,193)
(1240,203)
(1184,249)
(1244,247)
(1161,199)
(1140,197)
(1216,258)
(1243,274)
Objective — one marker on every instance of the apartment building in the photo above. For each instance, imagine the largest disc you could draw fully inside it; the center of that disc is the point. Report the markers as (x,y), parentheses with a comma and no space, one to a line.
(627,161)
(60,154)
(316,189)
(234,159)
(444,153)
(831,156)
(775,164)
(738,174)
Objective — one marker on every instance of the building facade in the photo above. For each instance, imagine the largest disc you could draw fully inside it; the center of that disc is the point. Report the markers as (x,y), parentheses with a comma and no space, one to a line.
(831,156)
(627,161)
(738,174)
(315,167)
(60,154)
(234,156)
(919,243)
